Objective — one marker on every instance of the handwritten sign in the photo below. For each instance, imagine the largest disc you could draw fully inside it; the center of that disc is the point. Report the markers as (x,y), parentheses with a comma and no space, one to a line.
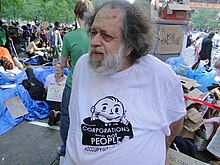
(171,39)
(55,93)
(16,107)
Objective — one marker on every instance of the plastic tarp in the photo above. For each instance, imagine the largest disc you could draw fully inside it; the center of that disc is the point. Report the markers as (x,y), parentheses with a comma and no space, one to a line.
(179,65)
(201,75)
(37,109)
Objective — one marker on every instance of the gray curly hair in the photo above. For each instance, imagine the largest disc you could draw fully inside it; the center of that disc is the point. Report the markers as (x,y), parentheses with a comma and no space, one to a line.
(137,29)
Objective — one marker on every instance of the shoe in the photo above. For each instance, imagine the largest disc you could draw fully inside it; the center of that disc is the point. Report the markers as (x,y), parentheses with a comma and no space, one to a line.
(57,116)
(61,150)
(51,120)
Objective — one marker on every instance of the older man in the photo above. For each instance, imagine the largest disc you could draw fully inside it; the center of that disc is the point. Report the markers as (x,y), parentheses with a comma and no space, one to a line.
(126,106)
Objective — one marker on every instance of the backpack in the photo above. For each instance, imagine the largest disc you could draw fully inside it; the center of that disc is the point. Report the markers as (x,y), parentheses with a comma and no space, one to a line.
(2,37)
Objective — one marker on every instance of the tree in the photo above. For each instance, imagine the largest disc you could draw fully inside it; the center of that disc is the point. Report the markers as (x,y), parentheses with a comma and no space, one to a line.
(205,18)
(40,10)
(12,9)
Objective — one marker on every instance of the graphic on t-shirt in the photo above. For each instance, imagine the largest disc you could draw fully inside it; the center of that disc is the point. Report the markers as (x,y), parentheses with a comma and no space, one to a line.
(107,125)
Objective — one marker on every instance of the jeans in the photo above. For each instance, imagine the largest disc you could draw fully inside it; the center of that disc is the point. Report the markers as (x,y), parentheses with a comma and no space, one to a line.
(64,118)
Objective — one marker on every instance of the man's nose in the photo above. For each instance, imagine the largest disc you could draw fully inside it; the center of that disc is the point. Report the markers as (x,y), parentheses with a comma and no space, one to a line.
(96,40)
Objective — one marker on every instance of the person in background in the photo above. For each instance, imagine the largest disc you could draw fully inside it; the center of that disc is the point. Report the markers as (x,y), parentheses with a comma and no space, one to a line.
(189,41)
(206,49)
(119,113)
(29,28)
(49,35)
(57,78)
(56,41)
(32,47)
(34,32)
(43,37)
(198,45)
(9,45)
(75,44)
(19,34)
(26,35)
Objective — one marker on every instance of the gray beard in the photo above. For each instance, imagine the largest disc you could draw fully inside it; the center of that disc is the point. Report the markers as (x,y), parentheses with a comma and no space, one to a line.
(111,63)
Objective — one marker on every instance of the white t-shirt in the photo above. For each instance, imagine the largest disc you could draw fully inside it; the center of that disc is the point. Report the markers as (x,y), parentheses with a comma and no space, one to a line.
(122,118)
(50,80)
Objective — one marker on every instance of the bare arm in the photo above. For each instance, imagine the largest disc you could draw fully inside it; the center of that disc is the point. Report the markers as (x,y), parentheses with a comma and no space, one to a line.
(36,48)
(176,128)
(63,61)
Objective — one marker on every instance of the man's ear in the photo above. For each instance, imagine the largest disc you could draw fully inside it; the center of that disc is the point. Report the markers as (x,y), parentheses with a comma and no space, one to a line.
(128,50)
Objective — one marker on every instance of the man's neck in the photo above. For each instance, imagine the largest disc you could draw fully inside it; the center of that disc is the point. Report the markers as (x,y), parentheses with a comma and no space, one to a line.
(80,22)
(127,64)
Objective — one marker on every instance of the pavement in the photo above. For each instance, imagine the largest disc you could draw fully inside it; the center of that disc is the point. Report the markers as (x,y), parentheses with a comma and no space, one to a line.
(30,144)
(36,143)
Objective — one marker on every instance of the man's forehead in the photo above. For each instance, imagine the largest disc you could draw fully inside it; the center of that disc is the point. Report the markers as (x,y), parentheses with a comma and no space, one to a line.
(111,14)
(108,19)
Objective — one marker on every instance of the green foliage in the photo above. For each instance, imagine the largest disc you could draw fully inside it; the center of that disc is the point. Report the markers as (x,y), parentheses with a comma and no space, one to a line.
(38,10)
(205,18)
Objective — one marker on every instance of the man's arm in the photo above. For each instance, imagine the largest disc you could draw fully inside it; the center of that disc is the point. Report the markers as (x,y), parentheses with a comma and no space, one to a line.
(176,128)
(64,62)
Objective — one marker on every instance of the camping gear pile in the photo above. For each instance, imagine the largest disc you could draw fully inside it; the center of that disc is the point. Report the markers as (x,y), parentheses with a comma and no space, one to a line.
(200,138)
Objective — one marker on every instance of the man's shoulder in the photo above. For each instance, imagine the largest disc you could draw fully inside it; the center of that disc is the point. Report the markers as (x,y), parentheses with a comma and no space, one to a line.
(82,63)
(153,61)
(74,33)
(84,58)
(156,66)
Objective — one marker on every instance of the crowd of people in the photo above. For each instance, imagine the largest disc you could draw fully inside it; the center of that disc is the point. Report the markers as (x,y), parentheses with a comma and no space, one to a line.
(32,40)
(119,103)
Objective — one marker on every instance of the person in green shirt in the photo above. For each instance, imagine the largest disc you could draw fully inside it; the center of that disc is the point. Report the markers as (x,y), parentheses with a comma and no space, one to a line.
(75,44)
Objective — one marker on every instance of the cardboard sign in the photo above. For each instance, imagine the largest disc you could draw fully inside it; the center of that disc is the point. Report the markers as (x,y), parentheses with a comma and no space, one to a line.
(177,158)
(171,39)
(16,107)
(55,93)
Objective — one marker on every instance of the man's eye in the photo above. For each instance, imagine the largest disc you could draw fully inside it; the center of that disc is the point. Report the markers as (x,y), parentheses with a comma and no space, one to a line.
(93,33)
(107,37)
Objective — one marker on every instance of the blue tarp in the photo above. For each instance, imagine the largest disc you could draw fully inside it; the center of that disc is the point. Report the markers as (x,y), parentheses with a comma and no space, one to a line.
(37,109)
(201,75)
